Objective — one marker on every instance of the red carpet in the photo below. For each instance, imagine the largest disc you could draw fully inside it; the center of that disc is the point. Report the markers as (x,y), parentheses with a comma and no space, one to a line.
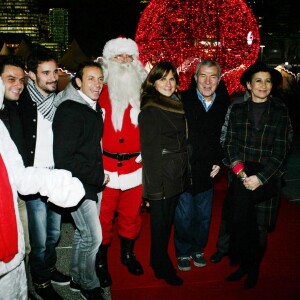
(279,275)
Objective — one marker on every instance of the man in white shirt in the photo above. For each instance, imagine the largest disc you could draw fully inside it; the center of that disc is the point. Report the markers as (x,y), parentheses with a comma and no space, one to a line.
(44,221)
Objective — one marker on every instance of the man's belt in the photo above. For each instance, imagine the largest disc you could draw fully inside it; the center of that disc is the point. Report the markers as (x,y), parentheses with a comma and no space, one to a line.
(120,156)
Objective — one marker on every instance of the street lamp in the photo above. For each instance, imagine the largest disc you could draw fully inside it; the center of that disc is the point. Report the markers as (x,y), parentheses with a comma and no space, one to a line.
(261,51)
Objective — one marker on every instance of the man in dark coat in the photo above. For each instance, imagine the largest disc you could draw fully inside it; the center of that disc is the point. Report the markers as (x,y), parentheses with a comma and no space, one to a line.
(77,131)
(13,76)
(58,185)
(205,112)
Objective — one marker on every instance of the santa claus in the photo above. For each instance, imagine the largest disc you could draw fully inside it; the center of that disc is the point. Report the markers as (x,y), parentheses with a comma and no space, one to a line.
(59,185)
(120,102)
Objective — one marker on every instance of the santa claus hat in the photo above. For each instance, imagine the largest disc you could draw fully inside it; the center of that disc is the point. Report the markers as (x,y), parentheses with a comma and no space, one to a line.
(120,45)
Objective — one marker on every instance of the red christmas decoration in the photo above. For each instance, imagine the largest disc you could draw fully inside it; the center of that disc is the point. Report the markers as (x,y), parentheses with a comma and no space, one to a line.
(187,31)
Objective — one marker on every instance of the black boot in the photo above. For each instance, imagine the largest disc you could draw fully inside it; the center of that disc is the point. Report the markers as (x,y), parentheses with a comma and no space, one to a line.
(253,273)
(46,291)
(128,257)
(239,273)
(252,277)
(102,267)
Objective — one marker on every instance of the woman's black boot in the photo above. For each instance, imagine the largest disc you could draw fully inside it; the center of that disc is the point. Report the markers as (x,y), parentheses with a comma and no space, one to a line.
(253,274)
(239,273)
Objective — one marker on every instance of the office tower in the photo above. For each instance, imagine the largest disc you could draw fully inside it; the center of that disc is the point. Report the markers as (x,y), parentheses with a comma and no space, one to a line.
(19,17)
(59,26)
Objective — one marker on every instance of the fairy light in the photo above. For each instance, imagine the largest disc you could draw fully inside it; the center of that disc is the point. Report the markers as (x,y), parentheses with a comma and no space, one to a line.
(66,72)
(61,70)
(282,68)
(187,31)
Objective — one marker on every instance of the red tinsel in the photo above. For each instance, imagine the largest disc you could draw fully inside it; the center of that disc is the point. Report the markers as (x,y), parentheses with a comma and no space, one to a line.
(187,31)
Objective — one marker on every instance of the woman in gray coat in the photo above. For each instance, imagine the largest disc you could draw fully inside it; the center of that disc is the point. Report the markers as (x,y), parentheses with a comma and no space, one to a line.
(165,163)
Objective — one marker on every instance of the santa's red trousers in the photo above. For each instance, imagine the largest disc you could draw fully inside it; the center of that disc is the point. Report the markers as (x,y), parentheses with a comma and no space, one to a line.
(127,204)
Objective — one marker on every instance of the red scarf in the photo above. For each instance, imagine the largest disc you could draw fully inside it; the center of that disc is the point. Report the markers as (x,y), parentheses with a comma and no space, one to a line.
(8,222)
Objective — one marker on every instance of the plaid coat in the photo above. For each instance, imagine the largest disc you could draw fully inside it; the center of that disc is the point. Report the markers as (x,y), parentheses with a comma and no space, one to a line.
(268,144)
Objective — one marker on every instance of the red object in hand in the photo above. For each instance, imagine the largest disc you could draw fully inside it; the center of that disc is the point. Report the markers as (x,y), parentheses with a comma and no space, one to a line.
(238,168)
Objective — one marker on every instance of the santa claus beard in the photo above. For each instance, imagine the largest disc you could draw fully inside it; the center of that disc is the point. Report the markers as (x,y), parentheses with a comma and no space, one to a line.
(124,84)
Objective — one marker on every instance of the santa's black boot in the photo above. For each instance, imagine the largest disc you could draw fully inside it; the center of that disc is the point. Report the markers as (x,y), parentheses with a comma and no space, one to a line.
(128,257)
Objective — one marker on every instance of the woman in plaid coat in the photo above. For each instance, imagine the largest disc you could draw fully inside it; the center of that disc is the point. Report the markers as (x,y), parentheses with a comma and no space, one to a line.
(257,142)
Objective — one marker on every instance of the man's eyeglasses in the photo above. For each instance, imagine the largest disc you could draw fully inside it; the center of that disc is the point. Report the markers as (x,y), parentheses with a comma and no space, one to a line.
(123,58)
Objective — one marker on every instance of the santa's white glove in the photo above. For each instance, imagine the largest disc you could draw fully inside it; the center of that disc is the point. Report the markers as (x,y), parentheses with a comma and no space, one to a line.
(58,185)
(2,91)
(65,191)
(134,114)
(139,159)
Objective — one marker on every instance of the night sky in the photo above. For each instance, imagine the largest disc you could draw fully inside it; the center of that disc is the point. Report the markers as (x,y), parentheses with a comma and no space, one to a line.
(94,22)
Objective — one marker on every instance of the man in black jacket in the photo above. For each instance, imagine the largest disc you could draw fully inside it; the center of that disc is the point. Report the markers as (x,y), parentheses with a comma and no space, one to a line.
(13,76)
(77,129)
(205,110)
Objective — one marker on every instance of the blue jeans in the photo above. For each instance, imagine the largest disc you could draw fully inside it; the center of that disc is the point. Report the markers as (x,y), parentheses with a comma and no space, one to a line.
(192,221)
(44,232)
(86,242)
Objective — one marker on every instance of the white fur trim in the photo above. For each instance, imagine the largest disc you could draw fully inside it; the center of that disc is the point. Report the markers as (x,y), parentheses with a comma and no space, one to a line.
(134,113)
(120,46)
(103,113)
(125,181)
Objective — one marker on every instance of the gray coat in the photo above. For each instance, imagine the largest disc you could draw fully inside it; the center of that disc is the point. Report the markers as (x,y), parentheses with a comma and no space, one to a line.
(163,147)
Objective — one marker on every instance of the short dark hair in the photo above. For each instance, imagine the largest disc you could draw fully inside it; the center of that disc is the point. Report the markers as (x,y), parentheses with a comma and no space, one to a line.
(248,74)
(157,72)
(11,60)
(37,56)
(79,71)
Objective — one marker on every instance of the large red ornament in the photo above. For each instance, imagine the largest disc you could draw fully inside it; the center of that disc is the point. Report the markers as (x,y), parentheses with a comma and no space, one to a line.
(187,31)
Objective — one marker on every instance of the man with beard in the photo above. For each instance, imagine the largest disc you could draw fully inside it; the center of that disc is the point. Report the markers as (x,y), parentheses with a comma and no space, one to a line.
(120,102)
(37,111)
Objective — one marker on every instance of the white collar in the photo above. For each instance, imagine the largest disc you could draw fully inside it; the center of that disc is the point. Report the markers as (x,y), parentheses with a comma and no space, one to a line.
(91,102)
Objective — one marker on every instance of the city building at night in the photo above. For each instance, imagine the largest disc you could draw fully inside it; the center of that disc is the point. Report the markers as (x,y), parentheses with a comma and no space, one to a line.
(59,27)
(19,17)
(279,30)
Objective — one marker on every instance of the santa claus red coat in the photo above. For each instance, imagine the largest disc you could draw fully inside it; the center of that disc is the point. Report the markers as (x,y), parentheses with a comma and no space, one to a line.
(125,175)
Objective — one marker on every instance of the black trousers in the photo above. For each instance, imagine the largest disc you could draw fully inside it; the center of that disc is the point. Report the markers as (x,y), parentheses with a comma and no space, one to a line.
(224,237)
(161,220)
